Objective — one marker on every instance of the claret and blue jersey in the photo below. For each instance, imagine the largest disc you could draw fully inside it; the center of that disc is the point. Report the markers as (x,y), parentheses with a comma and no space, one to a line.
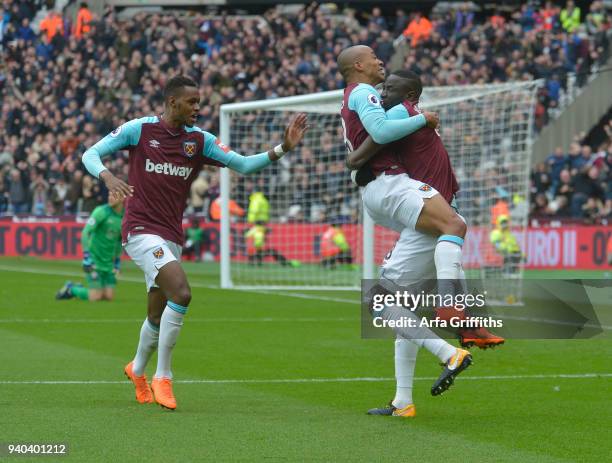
(362,115)
(163,163)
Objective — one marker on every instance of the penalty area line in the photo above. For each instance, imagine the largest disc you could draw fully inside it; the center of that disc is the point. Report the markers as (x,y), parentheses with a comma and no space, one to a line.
(317,380)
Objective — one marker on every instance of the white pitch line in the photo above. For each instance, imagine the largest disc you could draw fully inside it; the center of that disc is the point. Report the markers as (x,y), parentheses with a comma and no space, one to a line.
(322,380)
(8,321)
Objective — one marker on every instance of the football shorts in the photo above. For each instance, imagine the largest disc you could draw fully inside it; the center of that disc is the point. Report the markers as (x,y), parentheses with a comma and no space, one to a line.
(150,253)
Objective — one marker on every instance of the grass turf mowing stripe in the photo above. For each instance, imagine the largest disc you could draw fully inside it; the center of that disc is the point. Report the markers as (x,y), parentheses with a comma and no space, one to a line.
(324,380)
(195,284)
(191,320)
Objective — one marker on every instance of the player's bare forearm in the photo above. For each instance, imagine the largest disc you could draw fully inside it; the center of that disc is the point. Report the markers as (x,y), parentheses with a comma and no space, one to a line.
(363,154)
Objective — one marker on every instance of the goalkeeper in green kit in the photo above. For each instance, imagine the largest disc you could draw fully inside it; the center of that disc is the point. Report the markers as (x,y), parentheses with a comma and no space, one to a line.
(101,243)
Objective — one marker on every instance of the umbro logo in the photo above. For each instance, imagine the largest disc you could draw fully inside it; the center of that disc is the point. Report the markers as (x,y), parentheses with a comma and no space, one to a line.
(154,144)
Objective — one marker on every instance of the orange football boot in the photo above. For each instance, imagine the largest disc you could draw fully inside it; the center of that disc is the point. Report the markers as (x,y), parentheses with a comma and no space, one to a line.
(143,391)
(162,390)
(468,337)
(479,337)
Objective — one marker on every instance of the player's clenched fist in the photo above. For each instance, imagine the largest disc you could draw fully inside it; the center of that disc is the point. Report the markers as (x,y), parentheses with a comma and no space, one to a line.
(432,119)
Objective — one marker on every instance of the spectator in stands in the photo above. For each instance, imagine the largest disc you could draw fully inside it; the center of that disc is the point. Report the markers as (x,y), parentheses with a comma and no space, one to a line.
(18,193)
(83,21)
(541,179)
(576,162)
(75,187)
(570,17)
(557,161)
(51,25)
(259,208)
(401,22)
(586,186)
(506,244)
(25,32)
(61,92)
(565,187)
(539,207)
(59,192)
(4,195)
(464,20)
(378,19)
(548,18)
(39,192)
(418,30)
(384,47)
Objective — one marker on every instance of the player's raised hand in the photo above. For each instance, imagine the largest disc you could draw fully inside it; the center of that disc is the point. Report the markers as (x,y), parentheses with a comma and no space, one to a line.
(432,119)
(295,132)
(116,187)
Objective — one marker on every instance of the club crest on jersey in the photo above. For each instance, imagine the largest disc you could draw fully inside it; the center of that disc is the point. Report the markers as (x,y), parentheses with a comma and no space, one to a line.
(116,132)
(425,187)
(189,148)
(158,253)
(373,100)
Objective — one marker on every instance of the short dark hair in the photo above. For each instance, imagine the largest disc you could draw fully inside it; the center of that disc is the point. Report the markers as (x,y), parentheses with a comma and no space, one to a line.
(174,85)
(413,77)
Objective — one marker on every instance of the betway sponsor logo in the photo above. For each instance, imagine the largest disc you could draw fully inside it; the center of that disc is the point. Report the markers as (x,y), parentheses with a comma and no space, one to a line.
(167,168)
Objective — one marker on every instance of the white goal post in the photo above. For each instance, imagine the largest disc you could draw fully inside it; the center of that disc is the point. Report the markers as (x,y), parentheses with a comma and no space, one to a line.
(487,130)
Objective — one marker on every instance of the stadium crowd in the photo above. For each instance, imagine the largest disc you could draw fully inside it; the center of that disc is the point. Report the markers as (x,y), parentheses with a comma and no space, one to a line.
(576,184)
(65,86)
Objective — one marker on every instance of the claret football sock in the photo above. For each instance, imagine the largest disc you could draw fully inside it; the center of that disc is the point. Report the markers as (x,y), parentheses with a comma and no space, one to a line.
(149,337)
(405,360)
(169,329)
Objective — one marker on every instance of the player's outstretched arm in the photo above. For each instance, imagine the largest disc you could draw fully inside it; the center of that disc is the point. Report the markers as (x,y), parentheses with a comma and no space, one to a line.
(369,147)
(294,133)
(365,101)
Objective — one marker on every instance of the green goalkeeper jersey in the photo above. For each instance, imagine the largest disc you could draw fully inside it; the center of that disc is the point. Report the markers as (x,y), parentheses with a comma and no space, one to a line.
(102,237)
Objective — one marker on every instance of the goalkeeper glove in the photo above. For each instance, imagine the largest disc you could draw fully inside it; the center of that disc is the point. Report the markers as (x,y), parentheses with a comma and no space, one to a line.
(88,265)
(117,264)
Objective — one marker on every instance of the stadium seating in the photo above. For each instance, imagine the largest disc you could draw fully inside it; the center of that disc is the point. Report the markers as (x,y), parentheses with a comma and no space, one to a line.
(63,89)
(576,185)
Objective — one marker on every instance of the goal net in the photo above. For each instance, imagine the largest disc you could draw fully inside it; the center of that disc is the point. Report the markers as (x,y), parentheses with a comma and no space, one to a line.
(295,208)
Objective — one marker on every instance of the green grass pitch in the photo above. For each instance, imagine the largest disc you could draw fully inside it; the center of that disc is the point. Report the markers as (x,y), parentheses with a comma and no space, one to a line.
(277,377)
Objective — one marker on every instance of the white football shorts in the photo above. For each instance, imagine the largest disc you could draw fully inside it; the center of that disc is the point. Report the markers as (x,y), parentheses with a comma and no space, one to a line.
(150,253)
(412,258)
(396,201)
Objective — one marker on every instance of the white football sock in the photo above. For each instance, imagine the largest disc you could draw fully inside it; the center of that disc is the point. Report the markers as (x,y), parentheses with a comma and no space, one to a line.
(439,347)
(149,336)
(169,329)
(405,360)
(447,257)
(420,335)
